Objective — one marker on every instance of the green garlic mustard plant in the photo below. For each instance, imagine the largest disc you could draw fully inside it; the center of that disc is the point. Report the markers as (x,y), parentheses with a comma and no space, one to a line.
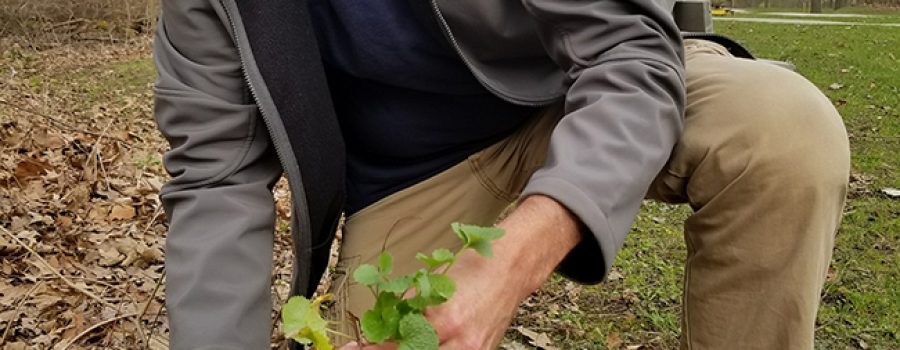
(397,316)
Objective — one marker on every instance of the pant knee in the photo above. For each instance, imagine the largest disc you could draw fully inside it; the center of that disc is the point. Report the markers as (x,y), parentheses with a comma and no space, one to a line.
(767,121)
(802,135)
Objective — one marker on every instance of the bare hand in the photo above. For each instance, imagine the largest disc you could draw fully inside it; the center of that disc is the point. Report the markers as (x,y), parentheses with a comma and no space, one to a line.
(538,235)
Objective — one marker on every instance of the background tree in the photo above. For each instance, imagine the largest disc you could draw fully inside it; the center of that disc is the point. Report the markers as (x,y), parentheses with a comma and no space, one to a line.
(815,6)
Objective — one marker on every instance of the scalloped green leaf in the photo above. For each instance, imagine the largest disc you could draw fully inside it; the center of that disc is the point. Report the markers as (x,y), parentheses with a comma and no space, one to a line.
(477,238)
(417,334)
(385,264)
(423,284)
(374,327)
(302,321)
(442,286)
(437,259)
(398,285)
(366,275)
(382,321)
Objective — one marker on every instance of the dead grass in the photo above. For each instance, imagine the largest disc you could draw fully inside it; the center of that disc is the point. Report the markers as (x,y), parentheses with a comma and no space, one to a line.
(43,23)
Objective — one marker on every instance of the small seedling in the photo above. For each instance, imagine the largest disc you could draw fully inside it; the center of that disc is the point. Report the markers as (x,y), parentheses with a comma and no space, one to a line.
(397,316)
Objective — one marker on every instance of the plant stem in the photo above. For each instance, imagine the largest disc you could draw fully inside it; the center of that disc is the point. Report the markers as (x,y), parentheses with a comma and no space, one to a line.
(337,333)
(455,257)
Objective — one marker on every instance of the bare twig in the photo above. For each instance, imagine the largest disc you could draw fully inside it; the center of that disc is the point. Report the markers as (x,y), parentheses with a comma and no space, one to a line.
(126,296)
(156,214)
(95,326)
(57,273)
(355,327)
(109,39)
(96,149)
(65,23)
(158,312)
(147,307)
(58,123)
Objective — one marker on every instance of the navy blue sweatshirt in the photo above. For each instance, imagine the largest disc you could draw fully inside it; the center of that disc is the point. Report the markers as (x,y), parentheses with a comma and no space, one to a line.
(408,106)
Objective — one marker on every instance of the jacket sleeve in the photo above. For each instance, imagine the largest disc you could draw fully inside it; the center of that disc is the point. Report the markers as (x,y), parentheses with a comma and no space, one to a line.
(624,112)
(219,200)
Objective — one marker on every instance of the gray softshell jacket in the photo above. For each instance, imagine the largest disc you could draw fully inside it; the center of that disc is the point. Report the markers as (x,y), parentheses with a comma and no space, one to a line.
(239,110)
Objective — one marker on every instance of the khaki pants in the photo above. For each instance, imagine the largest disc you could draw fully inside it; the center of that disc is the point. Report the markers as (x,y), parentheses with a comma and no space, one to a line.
(759,240)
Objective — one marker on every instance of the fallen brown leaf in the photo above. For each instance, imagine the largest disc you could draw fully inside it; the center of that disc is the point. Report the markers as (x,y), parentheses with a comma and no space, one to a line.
(30,167)
(121,212)
(538,339)
(613,340)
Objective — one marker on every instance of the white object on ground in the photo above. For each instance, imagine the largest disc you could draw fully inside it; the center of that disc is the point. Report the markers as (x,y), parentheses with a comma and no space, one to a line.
(803,21)
(825,15)
(891,192)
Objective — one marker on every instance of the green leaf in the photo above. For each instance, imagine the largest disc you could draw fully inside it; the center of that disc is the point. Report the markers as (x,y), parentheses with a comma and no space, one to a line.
(417,334)
(366,275)
(385,264)
(443,254)
(437,259)
(423,285)
(397,286)
(419,303)
(442,286)
(320,341)
(374,327)
(480,233)
(458,229)
(382,321)
(302,322)
(477,237)
(483,248)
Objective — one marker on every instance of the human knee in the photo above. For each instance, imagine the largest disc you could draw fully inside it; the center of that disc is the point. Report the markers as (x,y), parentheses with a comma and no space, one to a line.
(792,127)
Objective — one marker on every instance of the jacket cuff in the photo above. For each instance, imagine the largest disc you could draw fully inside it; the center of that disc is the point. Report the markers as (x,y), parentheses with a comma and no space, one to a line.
(592,258)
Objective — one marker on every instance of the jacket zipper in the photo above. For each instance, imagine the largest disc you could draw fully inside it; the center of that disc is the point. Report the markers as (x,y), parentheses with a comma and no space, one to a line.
(300,221)
(279,144)
(445,27)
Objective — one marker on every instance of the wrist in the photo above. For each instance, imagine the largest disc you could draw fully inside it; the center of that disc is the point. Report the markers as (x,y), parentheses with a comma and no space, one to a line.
(540,232)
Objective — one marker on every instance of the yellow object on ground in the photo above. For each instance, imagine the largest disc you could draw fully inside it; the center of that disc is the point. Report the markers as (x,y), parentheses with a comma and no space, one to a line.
(722,12)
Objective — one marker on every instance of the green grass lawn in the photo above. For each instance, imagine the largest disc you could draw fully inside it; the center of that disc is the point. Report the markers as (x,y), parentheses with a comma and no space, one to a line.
(858,67)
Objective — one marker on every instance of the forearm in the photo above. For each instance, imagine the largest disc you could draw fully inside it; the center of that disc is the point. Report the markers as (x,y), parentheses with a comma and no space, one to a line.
(539,234)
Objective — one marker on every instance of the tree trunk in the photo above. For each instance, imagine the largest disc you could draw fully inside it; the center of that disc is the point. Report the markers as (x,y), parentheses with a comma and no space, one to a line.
(815,6)
(839,3)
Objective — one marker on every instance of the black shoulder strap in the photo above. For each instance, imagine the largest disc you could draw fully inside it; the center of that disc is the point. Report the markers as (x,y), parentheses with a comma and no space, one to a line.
(284,46)
(733,47)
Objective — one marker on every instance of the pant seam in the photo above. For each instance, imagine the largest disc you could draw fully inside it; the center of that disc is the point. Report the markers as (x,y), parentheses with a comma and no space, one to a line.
(685,313)
(487,183)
